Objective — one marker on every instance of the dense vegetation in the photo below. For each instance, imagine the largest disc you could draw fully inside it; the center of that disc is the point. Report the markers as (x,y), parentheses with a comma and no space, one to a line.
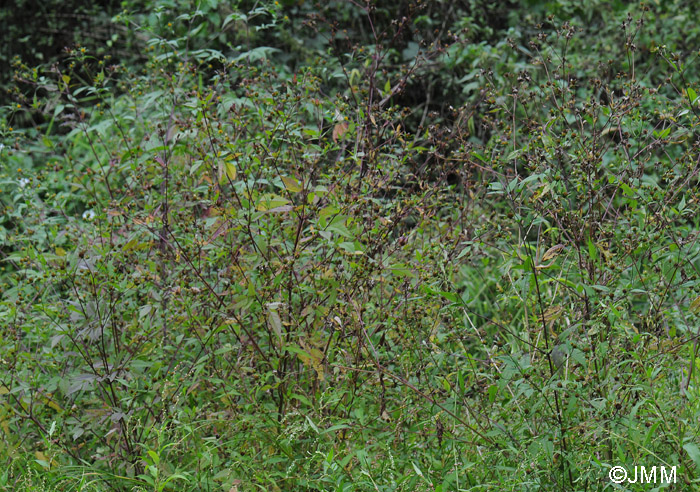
(410,245)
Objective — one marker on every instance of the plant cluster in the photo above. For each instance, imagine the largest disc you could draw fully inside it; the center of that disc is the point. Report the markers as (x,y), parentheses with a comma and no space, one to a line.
(345,247)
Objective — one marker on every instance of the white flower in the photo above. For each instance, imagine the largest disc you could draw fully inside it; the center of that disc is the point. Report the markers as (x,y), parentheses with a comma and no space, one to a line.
(23,182)
(88,215)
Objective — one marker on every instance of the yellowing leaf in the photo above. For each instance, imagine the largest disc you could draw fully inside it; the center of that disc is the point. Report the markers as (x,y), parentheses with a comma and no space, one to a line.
(60,251)
(694,305)
(291,184)
(311,356)
(53,405)
(606,254)
(228,170)
(612,131)
(339,130)
(275,320)
(43,460)
(541,192)
(552,252)
(552,313)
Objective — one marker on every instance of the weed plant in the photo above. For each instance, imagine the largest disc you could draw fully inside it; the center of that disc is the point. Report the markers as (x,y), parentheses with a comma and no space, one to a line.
(229,273)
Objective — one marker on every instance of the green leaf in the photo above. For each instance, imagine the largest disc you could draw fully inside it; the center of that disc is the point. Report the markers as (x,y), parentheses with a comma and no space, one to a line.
(269,202)
(493,389)
(514,155)
(418,470)
(401,270)
(694,453)
(592,250)
(338,226)
(154,456)
(236,16)
(663,133)
(275,320)
(352,247)
(479,156)
(450,296)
